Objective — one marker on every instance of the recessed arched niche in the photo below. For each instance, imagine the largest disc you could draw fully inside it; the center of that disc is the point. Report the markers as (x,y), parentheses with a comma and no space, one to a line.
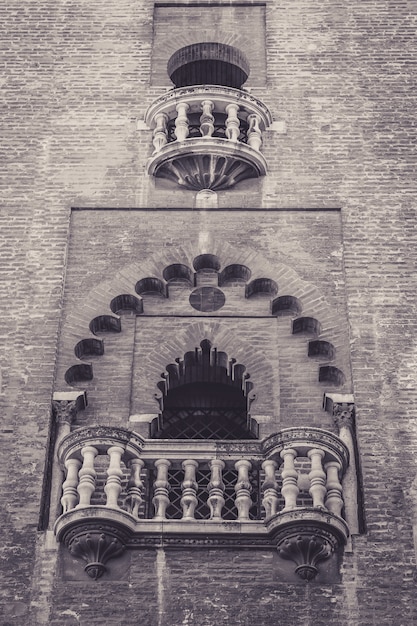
(261,287)
(126,303)
(321,349)
(80,373)
(206,262)
(89,347)
(308,325)
(151,286)
(331,375)
(234,273)
(286,305)
(105,324)
(178,272)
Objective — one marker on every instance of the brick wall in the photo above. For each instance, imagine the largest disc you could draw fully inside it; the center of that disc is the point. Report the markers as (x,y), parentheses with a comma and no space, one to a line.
(77,79)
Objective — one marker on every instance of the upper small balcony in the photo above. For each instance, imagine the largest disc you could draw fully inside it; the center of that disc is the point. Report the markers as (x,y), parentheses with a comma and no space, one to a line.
(207,132)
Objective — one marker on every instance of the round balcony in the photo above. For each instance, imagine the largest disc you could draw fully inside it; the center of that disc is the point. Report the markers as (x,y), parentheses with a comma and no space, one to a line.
(207,136)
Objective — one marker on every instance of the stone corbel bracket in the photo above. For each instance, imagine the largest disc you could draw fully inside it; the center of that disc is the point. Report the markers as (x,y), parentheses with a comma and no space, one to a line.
(307,537)
(95,542)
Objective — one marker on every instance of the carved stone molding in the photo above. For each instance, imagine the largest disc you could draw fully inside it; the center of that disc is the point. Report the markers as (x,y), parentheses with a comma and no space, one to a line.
(99,436)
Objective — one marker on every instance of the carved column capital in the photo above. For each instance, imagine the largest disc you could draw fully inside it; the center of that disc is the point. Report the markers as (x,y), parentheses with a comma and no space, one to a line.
(342,408)
(344,415)
(65,411)
(66,405)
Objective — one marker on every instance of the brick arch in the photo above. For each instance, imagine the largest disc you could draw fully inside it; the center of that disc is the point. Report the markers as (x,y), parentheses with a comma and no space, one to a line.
(87,320)
(263,377)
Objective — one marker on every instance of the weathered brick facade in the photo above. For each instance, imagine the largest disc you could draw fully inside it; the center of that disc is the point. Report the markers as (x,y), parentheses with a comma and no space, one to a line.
(333,224)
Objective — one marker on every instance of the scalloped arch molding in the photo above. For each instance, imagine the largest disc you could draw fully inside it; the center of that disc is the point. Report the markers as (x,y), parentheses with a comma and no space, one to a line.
(129,288)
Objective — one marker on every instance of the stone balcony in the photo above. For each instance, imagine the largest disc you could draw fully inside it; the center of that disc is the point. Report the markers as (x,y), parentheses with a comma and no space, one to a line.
(122,491)
(207,136)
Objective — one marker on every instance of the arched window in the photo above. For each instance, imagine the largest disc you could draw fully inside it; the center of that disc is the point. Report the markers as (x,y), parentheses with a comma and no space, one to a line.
(205,396)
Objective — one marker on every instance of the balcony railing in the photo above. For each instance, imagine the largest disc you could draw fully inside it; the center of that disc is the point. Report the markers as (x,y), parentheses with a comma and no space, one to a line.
(207,136)
(121,490)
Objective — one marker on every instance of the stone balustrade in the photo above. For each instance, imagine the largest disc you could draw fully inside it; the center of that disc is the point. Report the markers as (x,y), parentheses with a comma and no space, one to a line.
(207,136)
(254,489)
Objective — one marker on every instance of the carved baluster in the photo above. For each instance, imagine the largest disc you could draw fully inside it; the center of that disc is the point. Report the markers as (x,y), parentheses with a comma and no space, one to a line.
(160,134)
(113,485)
(189,489)
(270,489)
(243,489)
(232,122)
(69,488)
(161,488)
(181,123)
(254,132)
(334,500)
(216,489)
(289,489)
(207,119)
(317,477)
(87,475)
(135,487)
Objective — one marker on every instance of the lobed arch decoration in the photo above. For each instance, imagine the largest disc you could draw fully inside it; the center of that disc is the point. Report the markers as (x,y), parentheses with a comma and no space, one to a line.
(128,292)
(205,395)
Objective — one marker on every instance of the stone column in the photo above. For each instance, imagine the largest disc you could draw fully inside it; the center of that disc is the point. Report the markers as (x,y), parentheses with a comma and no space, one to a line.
(342,409)
(243,489)
(160,135)
(289,487)
(65,407)
(135,487)
(161,488)
(216,489)
(181,123)
(87,475)
(69,488)
(270,488)
(189,489)
(317,477)
(207,118)
(113,485)
(254,132)
(232,122)
(334,500)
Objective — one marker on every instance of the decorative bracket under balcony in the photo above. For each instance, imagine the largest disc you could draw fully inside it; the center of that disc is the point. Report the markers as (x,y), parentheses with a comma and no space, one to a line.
(207,136)
(284,492)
